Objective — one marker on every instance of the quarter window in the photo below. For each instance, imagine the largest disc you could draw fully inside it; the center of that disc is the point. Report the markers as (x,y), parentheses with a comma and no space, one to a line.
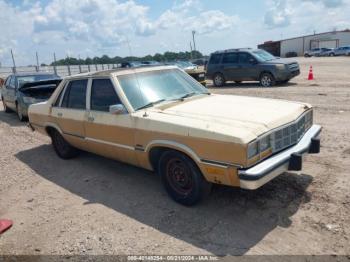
(75,95)
(230,58)
(215,59)
(103,95)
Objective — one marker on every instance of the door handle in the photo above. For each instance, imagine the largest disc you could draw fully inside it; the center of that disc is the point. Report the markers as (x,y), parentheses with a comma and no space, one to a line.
(91,119)
(59,114)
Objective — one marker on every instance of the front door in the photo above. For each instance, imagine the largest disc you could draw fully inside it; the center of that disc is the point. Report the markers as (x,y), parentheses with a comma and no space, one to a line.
(247,67)
(107,134)
(9,93)
(70,113)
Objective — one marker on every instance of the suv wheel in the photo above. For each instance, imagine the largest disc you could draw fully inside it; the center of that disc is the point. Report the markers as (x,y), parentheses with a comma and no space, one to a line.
(182,179)
(331,54)
(267,80)
(219,80)
(19,113)
(62,147)
(6,109)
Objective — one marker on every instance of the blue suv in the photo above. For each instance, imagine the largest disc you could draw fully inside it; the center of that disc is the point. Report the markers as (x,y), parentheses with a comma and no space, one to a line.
(250,65)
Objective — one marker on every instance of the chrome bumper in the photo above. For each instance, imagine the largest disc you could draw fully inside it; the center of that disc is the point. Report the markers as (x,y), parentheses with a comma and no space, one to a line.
(265,171)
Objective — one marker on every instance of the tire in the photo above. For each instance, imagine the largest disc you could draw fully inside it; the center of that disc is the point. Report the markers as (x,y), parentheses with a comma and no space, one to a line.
(182,178)
(267,80)
(19,113)
(219,80)
(306,55)
(62,148)
(331,54)
(6,109)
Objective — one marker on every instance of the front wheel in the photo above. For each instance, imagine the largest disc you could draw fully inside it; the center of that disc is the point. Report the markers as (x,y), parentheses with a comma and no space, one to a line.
(267,80)
(19,112)
(219,80)
(62,147)
(182,179)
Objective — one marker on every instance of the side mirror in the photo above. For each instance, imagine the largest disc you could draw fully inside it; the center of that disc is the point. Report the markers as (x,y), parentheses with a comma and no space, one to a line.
(118,109)
(252,61)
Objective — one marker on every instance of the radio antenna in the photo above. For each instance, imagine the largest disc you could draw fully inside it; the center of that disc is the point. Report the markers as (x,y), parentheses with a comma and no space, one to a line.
(136,77)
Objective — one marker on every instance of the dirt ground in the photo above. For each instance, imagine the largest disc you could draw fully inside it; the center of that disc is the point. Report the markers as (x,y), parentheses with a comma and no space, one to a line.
(92,205)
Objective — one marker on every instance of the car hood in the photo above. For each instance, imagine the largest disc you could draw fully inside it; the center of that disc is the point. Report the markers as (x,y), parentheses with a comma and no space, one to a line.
(280,61)
(53,83)
(229,118)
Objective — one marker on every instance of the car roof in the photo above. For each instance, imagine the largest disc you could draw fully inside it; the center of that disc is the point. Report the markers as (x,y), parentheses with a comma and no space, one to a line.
(234,50)
(120,70)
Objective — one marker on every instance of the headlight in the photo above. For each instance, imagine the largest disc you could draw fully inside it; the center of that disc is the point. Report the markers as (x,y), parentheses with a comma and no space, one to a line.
(281,67)
(253,149)
(265,143)
(201,75)
(29,100)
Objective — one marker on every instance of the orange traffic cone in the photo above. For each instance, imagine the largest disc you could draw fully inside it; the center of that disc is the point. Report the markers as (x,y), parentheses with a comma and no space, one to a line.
(311,74)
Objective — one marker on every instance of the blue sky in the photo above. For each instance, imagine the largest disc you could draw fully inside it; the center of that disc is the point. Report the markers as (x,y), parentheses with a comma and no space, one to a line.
(96,27)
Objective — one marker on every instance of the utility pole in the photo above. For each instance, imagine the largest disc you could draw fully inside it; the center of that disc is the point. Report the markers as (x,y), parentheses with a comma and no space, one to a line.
(191,50)
(54,65)
(13,61)
(37,61)
(194,43)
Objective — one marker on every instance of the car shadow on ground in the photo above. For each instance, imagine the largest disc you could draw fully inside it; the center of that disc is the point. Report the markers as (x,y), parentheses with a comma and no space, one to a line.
(11,118)
(230,85)
(230,221)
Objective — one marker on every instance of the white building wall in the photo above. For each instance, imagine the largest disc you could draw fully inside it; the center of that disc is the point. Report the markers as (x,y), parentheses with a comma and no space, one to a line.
(302,44)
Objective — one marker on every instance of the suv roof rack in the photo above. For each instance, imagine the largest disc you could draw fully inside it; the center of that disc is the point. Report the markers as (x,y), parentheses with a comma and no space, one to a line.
(233,50)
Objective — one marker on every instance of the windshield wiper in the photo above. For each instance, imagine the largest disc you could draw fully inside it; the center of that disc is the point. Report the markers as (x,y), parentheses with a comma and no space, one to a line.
(151,104)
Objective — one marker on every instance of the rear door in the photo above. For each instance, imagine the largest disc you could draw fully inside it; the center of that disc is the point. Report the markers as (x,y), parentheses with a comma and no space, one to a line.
(70,113)
(107,134)
(10,93)
(230,66)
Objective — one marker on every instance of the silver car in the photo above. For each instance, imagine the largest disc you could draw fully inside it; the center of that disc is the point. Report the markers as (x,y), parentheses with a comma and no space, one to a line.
(343,50)
(21,90)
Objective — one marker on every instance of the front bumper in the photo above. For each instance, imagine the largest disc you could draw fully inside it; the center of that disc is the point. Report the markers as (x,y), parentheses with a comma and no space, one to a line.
(286,75)
(289,159)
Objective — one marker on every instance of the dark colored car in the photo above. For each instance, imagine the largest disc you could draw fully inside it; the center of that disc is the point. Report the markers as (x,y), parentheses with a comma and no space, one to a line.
(21,90)
(250,65)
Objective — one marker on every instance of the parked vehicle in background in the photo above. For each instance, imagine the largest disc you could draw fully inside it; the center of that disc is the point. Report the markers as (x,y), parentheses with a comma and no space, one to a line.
(343,50)
(193,70)
(250,65)
(161,119)
(326,52)
(21,90)
(312,52)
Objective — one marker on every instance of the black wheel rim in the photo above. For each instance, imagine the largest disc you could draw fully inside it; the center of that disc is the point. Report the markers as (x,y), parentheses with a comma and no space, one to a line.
(60,143)
(179,176)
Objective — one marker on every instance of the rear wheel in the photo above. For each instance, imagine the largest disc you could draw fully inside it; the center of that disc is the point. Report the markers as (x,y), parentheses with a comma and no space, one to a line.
(267,80)
(182,179)
(219,80)
(331,54)
(6,109)
(62,147)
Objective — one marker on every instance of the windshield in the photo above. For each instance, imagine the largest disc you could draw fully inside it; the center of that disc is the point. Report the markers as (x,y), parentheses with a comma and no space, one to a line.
(263,55)
(145,88)
(34,78)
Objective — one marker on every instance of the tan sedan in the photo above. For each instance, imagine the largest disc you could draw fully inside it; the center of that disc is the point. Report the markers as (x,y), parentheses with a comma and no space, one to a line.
(161,119)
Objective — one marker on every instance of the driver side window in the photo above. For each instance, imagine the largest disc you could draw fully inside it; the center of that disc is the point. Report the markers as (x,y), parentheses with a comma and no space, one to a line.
(103,95)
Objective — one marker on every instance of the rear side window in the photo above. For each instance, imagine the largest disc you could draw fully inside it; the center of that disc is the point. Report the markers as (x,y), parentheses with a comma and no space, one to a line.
(215,59)
(230,58)
(103,95)
(75,95)
(58,100)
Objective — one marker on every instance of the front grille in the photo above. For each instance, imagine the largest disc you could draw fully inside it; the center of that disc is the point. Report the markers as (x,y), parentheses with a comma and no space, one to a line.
(198,77)
(292,133)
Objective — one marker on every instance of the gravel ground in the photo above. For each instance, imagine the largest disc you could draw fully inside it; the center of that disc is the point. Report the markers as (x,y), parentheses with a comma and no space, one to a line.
(92,205)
